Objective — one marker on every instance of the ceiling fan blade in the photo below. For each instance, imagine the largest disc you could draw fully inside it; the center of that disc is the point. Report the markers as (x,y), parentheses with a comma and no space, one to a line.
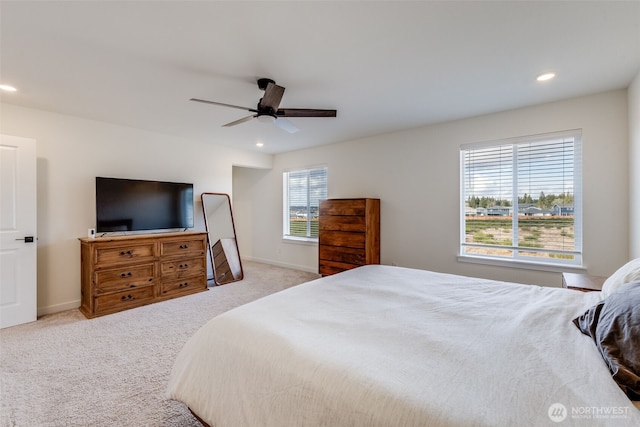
(237,122)
(305,112)
(286,125)
(224,105)
(272,96)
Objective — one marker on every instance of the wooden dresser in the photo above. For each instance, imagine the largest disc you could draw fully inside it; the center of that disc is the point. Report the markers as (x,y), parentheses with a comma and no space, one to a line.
(123,272)
(349,234)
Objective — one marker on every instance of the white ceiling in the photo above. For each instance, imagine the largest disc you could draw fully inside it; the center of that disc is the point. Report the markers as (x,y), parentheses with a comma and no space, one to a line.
(383,65)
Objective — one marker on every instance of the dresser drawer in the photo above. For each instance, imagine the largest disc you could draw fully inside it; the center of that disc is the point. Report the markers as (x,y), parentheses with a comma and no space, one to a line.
(182,268)
(187,285)
(109,255)
(341,238)
(342,223)
(327,268)
(182,247)
(123,300)
(343,207)
(122,278)
(342,254)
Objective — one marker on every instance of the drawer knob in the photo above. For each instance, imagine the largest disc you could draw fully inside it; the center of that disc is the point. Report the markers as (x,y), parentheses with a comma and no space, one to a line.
(185,246)
(127,253)
(127,298)
(123,275)
(184,265)
(183,285)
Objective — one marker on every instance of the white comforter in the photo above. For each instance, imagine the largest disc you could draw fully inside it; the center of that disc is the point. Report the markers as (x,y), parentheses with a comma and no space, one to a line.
(390,346)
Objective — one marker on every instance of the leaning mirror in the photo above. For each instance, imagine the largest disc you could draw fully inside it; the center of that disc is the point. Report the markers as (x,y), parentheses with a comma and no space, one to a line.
(221,233)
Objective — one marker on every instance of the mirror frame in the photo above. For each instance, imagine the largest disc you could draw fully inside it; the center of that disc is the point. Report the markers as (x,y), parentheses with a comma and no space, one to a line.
(210,243)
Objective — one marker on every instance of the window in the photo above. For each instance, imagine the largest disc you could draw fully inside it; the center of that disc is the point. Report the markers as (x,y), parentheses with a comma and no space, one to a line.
(521,199)
(303,190)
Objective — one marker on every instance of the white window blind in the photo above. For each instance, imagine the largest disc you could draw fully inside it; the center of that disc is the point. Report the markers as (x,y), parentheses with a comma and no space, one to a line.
(303,190)
(521,199)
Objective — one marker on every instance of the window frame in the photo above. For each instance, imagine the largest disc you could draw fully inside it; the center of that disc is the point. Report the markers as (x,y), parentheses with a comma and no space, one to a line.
(286,209)
(516,259)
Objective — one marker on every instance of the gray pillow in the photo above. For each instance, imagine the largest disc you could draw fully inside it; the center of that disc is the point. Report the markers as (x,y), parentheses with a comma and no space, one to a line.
(614,326)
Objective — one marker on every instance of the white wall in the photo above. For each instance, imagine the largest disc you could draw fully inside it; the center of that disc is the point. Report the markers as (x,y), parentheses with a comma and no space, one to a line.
(415,173)
(634,167)
(72,151)
(249,218)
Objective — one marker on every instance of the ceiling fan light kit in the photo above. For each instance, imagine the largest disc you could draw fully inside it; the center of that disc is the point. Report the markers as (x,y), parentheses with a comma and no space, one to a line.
(268,110)
(265,118)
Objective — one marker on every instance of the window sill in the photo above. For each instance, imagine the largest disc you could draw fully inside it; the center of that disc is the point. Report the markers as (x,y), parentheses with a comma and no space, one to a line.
(310,241)
(527,265)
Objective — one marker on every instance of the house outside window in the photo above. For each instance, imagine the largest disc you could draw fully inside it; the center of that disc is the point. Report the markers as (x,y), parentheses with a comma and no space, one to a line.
(521,199)
(303,190)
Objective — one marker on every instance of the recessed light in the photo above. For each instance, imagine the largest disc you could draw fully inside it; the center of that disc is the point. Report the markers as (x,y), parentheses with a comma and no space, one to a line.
(8,88)
(545,76)
(259,144)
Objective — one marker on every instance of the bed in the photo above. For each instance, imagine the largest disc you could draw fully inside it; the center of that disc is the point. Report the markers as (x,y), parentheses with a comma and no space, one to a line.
(392,346)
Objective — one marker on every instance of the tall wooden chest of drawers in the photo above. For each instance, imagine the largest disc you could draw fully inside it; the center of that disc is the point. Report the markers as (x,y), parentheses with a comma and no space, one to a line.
(118,273)
(349,234)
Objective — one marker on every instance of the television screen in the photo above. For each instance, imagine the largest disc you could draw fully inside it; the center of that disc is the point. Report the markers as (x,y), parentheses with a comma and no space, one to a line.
(135,205)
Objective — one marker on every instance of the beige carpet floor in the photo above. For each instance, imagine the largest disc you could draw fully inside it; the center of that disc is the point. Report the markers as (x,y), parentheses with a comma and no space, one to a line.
(66,370)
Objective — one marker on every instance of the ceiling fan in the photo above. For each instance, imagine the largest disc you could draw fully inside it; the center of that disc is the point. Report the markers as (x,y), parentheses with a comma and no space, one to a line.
(268,109)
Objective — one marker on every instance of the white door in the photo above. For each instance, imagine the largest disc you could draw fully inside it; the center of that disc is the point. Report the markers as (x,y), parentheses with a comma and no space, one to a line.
(18,297)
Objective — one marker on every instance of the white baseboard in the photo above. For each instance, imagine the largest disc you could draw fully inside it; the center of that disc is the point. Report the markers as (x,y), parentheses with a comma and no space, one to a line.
(58,308)
(282,264)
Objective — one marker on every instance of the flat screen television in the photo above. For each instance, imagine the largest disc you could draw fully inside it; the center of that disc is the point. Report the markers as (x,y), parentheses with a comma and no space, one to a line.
(139,205)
